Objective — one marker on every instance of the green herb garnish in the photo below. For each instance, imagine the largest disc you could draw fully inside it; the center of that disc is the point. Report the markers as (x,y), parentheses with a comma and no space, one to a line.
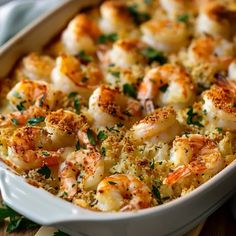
(138,17)
(15,121)
(102,135)
(153,55)
(193,118)
(129,90)
(76,101)
(17,222)
(84,57)
(60,233)
(115,74)
(164,87)
(91,137)
(46,154)
(42,100)
(77,146)
(152,164)
(103,151)
(219,130)
(35,120)
(45,171)
(76,105)
(20,106)
(183,18)
(107,38)
(111,183)
(72,94)
(156,193)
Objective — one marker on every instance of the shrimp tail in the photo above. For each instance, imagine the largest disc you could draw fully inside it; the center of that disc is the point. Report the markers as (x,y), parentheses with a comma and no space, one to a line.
(180,172)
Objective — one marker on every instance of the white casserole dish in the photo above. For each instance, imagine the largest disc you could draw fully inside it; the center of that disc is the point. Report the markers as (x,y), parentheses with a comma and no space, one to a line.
(174,218)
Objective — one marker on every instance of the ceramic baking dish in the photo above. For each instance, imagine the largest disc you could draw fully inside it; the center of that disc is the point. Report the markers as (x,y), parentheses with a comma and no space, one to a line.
(174,218)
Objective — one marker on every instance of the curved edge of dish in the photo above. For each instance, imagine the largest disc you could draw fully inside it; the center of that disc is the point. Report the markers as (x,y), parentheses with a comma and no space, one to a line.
(37,204)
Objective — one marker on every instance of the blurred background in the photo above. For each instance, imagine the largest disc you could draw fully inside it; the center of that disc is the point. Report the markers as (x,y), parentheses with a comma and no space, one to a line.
(16,14)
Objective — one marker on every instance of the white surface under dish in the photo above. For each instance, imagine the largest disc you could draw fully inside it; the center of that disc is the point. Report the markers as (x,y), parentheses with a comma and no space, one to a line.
(174,218)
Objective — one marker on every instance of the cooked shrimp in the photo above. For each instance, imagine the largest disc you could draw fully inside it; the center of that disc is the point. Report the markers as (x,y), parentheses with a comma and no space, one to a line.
(87,163)
(27,93)
(115,17)
(159,35)
(219,104)
(176,8)
(144,7)
(69,75)
(211,20)
(122,192)
(37,67)
(160,126)
(125,53)
(217,52)
(232,70)
(108,107)
(80,35)
(64,126)
(167,85)
(20,118)
(195,155)
(30,148)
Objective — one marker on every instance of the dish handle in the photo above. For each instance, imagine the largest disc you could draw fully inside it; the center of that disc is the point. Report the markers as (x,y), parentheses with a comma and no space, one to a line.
(33,202)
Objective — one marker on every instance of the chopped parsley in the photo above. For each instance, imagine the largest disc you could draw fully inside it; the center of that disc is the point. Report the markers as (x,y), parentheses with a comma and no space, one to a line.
(156,193)
(46,154)
(35,120)
(193,118)
(76,101)
(20,106)
(42,100)
(112,183)
(45,171)
(17,222)
(102,135)
(76,104)
(84,57)
(219,130)
(77,146)
(163,88)
(152,164)
(15,121)
(129,90)
(183,18)
(153,55)
(91,137)
(107,38)
(103,151)
(138,17)
(60,233)
(72,94)
(115,74)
